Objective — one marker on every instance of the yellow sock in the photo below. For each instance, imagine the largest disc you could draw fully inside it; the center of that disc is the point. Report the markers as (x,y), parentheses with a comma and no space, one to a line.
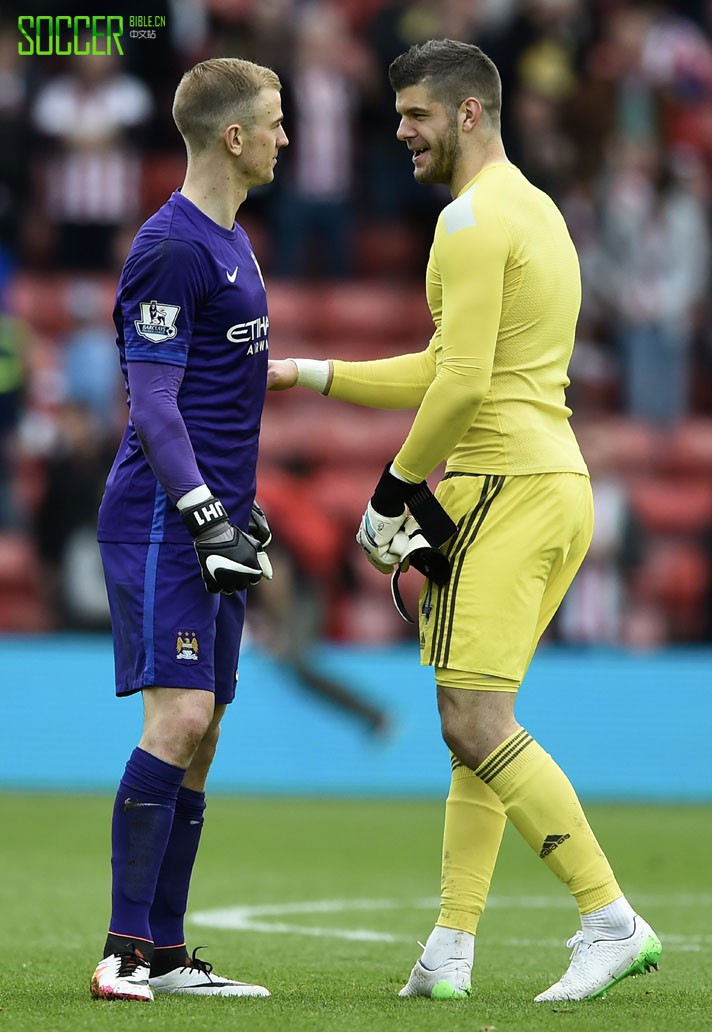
(540,802)
(474,824)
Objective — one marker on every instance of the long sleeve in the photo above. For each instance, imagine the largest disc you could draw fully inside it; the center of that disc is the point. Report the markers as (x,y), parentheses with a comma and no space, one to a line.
(388,383)
(465,288)
(153,388)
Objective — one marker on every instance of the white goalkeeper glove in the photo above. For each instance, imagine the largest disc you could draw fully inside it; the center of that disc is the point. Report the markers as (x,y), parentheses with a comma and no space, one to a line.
(410,547)
(386,514)
(376,534)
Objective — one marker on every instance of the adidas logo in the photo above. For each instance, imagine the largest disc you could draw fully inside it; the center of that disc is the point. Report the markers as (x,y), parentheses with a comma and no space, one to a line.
(552,842)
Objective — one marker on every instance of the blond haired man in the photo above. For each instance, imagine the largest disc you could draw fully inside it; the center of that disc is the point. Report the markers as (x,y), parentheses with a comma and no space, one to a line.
(504,290)
(179,516)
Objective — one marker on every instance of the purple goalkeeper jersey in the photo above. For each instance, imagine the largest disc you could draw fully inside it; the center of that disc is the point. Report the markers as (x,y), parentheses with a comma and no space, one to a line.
(191,295)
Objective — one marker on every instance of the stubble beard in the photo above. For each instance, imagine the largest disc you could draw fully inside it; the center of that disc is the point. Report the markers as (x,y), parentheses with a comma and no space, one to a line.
(443,160)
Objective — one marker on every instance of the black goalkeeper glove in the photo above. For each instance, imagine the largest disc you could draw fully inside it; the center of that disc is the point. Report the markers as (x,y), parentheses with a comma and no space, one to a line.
(259,527)
(230,560)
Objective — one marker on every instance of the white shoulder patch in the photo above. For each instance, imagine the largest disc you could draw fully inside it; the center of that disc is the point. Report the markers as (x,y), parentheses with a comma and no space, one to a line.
(459,213)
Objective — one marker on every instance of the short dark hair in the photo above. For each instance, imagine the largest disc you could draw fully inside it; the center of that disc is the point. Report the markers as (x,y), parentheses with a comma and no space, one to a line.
(452,71)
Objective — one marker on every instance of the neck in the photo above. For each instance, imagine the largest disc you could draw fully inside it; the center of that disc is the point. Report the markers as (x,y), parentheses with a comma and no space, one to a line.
(212,187)
(471,164)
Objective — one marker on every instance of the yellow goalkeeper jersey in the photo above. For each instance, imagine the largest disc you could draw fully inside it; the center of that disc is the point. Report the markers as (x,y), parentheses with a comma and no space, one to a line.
(504,290)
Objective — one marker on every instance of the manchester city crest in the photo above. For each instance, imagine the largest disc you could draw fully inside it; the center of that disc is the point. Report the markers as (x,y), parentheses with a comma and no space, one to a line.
(187,645)
(157,322)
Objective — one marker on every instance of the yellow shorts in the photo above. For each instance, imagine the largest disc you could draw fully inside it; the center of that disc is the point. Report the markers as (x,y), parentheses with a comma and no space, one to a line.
(519,543)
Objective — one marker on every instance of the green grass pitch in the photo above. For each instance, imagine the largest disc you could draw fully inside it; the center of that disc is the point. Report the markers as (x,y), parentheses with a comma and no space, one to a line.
(323,901)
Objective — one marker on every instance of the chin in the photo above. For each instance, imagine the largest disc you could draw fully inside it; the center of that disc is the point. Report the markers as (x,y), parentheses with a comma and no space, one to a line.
(427,178)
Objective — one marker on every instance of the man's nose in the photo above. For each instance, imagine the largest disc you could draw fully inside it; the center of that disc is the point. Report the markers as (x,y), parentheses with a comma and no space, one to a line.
(404,131)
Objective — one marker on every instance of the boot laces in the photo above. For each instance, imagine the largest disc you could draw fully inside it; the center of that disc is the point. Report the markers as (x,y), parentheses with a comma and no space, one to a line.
(197,963)
(129,960)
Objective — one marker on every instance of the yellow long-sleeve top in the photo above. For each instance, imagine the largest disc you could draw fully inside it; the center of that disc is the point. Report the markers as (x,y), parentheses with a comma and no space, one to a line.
(504,289)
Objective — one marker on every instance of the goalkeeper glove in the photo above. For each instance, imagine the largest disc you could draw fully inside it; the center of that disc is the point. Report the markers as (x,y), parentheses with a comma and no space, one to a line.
(386,514)
(230,560)
(375,536)
(258,527)
(409,548)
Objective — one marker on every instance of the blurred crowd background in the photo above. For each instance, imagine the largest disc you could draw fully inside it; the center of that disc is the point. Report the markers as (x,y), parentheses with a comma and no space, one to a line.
(607,106)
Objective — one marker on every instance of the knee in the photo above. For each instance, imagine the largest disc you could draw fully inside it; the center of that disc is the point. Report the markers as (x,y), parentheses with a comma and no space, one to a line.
(470,743)
(176,734)
(474,723)
(209,744)
(457,741)
(202,759)
(191,729)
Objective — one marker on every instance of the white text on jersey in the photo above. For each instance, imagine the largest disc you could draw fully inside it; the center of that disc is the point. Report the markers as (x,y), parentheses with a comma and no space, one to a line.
(253,333)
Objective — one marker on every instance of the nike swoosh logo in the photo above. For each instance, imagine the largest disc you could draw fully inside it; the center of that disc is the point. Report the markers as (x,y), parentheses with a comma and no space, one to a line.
(132,804)
(217,562)
(232,276)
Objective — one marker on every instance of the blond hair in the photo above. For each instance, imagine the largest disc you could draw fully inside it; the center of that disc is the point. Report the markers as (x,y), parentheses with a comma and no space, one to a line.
(217,93)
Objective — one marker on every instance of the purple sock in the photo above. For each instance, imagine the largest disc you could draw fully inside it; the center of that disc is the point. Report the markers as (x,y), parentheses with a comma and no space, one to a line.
(140,829)
(171,897)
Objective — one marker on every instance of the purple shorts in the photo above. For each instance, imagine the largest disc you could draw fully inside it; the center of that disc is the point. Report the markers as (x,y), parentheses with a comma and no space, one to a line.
(168,631)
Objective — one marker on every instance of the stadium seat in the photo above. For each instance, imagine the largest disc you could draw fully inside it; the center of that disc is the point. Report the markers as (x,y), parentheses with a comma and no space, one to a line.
(620,444)
(394,252)
(362,309)
(330,432)
(690,448)
(22,607)
(344,492)
(293,314)
(160,175)
(46,302)
(665,505)
(676,575)
(299,522)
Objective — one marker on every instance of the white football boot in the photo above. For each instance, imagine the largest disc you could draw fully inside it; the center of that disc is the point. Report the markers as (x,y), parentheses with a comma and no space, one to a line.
(197,979)
(451,980)
(122,976)
(598,964)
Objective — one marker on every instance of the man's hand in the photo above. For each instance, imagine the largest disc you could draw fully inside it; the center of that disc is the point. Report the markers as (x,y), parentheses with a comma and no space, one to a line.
(409,548)
(281,374)
(230,560)
(386,514)
(375,536)
(259,527)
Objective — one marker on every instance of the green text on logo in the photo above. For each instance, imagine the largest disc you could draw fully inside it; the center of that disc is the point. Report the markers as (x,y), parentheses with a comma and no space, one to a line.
(46,34)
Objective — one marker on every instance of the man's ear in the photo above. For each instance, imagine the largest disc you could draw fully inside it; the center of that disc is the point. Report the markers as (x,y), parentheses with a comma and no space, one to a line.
(470,113)
(233,137)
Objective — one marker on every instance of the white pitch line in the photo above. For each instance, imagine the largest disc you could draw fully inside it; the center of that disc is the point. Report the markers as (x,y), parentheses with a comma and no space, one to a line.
(247,918)
(243,918)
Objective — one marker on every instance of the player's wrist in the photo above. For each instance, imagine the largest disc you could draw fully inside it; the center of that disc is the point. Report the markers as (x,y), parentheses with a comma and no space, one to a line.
(204,517)
(313,373)
(194,497)
(391,494)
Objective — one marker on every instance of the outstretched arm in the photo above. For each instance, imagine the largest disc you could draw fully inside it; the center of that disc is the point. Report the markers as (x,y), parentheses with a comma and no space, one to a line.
(388,383)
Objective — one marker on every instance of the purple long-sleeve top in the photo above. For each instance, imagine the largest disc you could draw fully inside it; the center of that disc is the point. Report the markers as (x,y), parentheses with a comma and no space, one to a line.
(192,332)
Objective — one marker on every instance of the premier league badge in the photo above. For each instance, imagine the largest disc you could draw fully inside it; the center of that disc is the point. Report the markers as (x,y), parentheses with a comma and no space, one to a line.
(157,322)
